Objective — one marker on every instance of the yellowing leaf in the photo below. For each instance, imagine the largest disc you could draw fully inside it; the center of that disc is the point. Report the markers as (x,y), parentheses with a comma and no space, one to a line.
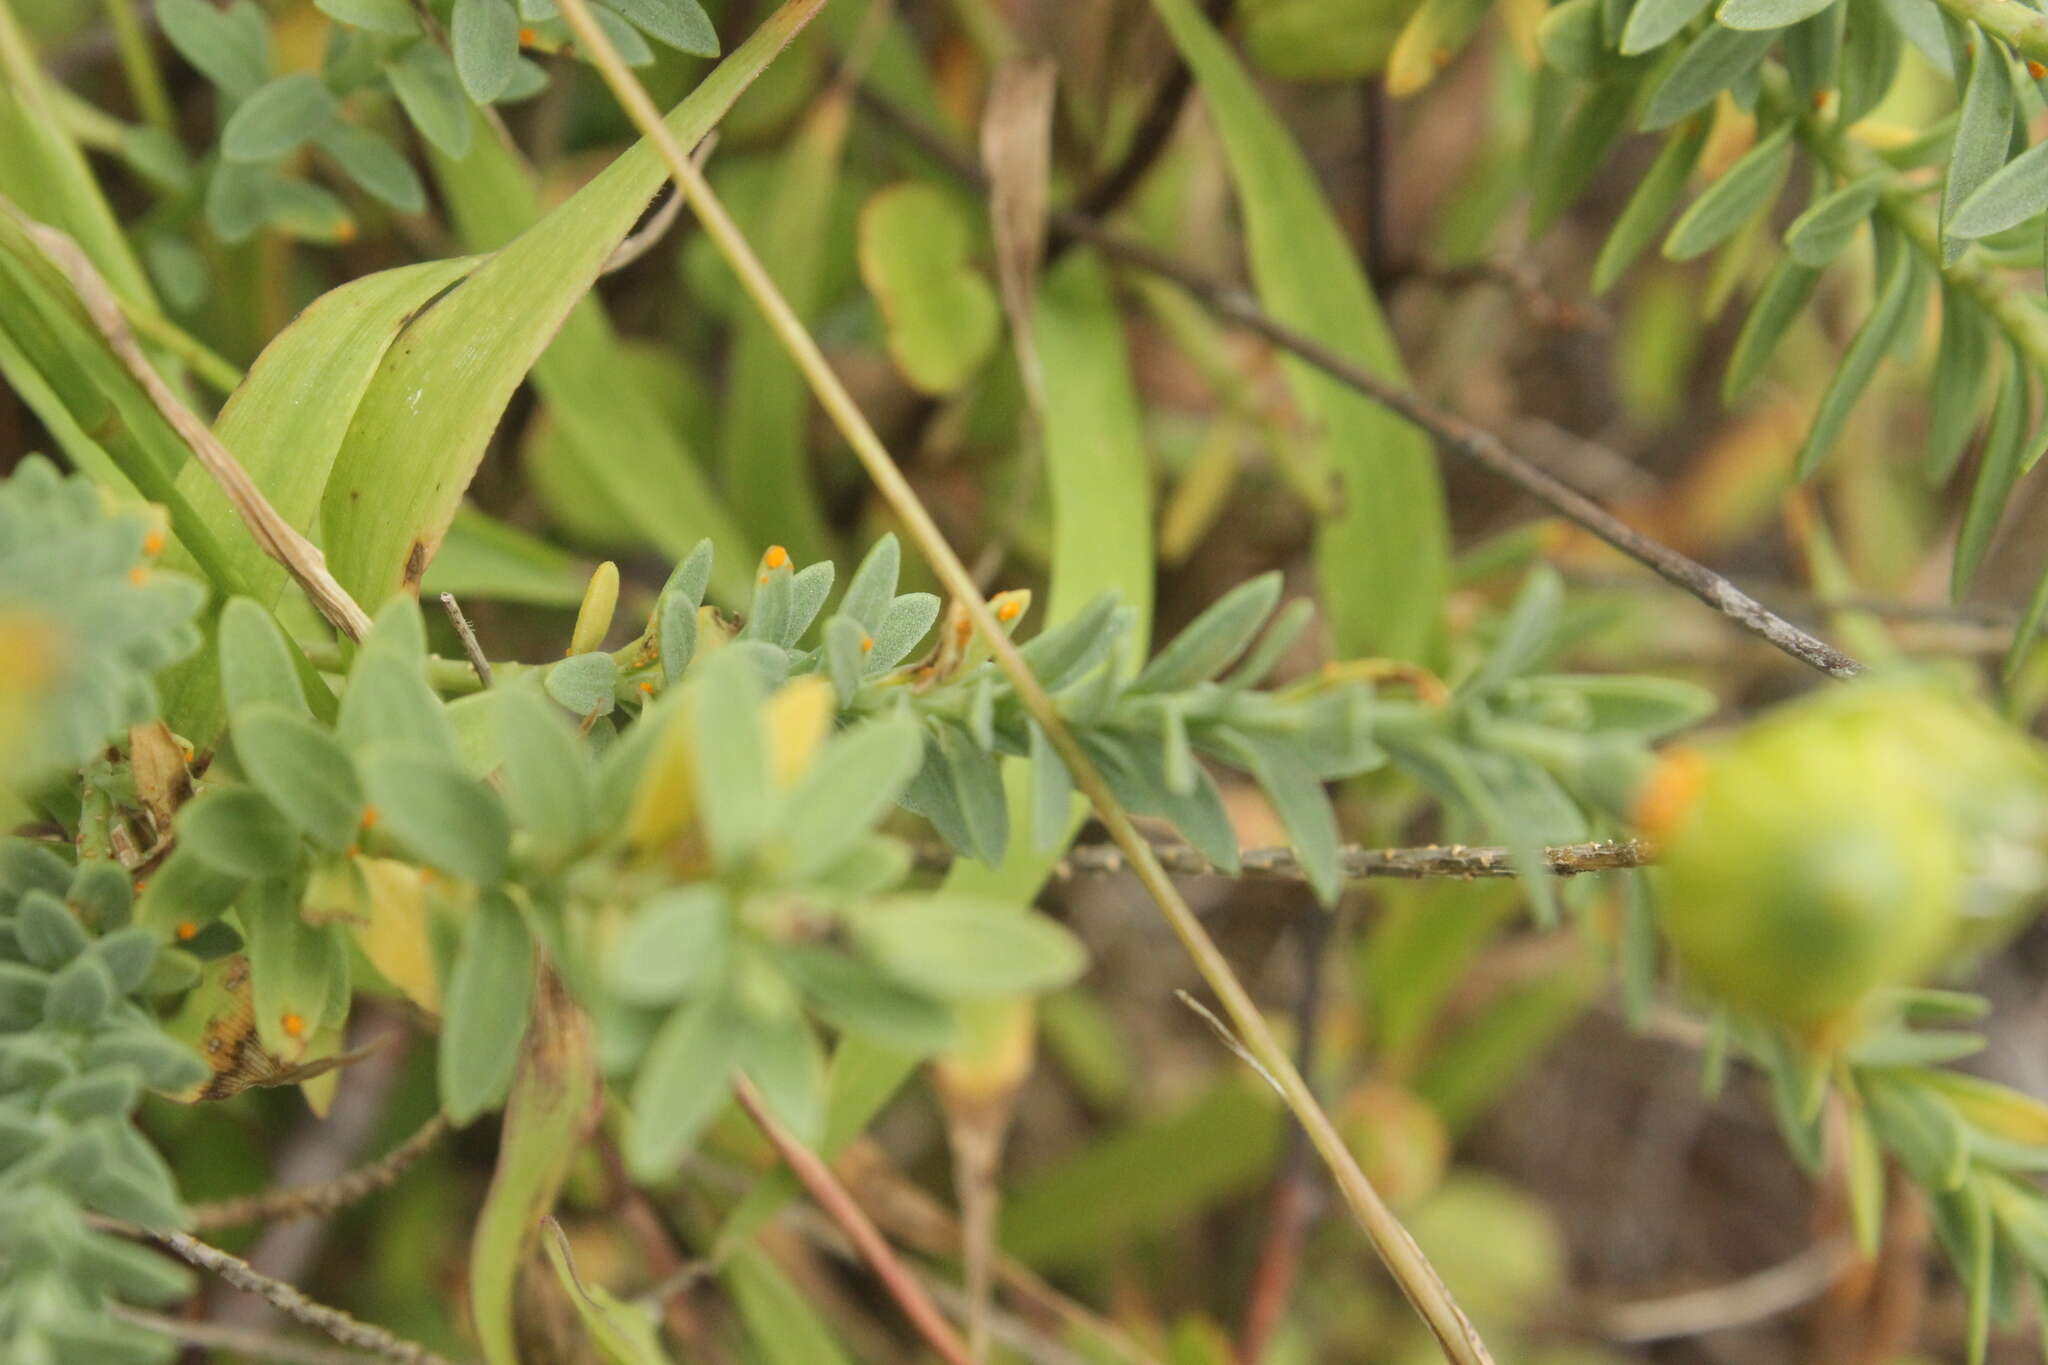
(798,719)
(393,935)
(941,315)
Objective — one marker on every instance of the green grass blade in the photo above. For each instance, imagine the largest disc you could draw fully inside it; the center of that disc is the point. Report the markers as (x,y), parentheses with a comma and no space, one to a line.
(1384,557)
(763,453)
(431,410)
(615,436)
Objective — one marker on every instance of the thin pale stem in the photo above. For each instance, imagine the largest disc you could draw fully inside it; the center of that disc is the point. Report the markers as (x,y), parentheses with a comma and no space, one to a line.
(138,64)
(831,1196)
(1404,1259)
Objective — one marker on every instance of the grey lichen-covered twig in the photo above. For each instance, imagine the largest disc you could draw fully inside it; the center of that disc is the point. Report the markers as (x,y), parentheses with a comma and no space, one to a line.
(311,1201)
(292,1303)
(1472,442)
(1462,861)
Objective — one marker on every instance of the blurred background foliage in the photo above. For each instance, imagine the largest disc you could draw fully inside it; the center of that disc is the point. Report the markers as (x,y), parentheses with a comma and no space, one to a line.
(1436,188)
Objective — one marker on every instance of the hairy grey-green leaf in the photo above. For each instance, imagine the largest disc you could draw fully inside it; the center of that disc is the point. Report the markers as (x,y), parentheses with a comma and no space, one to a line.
(1873,339)
(484,1017)
(279,117)
(1711,63)
(1653,23)
(1960,366)
(1767,14)
(1778,304)
(1209,642)
(1656,195)
(484,37)
(1819,234)
(1983,136)
(1744,190)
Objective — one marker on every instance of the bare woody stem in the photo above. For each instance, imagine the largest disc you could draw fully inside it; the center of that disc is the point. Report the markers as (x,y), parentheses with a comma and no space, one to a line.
(294,1304)
(1463,862)
(1473,442)
(1404,1259)
(313,1201)
(831,1196)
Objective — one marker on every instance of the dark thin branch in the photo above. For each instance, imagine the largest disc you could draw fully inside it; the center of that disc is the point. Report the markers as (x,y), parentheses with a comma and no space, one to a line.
(1474,443)
(1154,131)
(298,1307)
(313,1201)
(1411,864)
(831,1196)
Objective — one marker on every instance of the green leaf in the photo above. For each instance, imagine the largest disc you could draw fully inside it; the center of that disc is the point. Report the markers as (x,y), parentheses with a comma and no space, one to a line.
(371,161)
(729,748)
(545,777)
(2010,197)
(782,1322)
(2004,442)
(554,1101)
(846,646)
(978,789)
(940,314)
(424,80)
(1384,557)
(439,814)
(1289,780)
(484,37)
(779,1053)
(873,586)
(1579,150)
(850,994)
(1888,316)
(682,24)
(1744,190)
(238,831)
(907,621)
(1983,136)
(1819,234)
(278,118)
(956,946)
(301,768)
(231,48)
(1654,199)
(293,968)
(1525,635)
(764,456)
(1871,49)
(1653,23)
(388,702)
(624,1333)
(1715,60)
(1960,367)
(1209,642)
(848,788)
(1145,1179)
(587,684)
(1767,14)
(488,996)
(427,416)
(1570,39)
(678,629)
(1778,304)
(681,1085)
(677,942)
(255,660)
(393,17)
